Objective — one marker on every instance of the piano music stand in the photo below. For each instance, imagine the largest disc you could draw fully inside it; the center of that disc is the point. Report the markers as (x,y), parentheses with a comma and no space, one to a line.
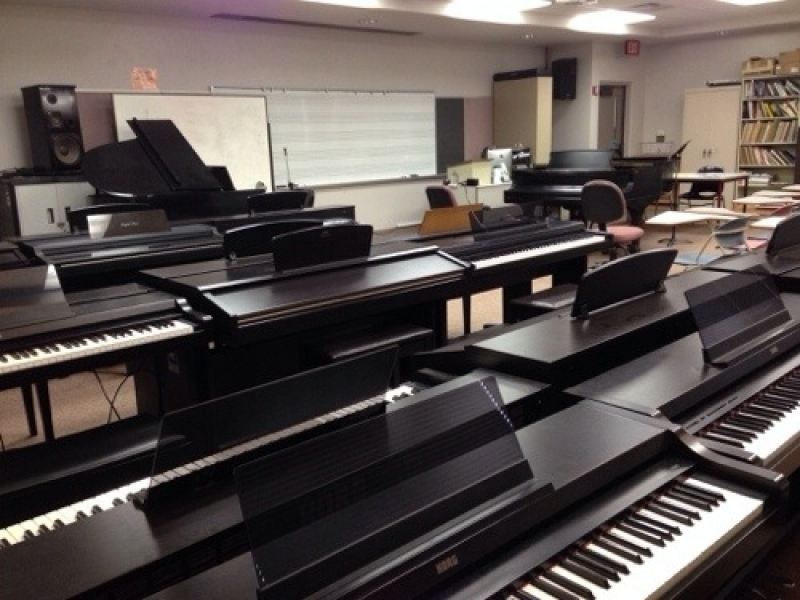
(622,279)
(739,314)
(396,491)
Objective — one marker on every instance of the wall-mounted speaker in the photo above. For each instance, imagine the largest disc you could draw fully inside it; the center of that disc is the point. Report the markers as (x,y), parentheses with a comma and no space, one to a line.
(54,127)
(565,78)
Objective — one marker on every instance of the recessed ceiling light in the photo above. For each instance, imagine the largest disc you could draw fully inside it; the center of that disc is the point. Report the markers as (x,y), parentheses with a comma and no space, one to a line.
(507,11)
(749,2)
(607,21)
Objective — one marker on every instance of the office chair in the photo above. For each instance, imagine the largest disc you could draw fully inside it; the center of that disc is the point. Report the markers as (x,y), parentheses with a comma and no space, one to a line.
(78,218)
(281,200)
(603,203)
(440,196)
(729,237)
(759,239)
(705,193)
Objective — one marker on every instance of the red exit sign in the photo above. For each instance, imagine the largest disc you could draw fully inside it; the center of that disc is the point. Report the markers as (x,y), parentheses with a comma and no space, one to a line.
(632,47)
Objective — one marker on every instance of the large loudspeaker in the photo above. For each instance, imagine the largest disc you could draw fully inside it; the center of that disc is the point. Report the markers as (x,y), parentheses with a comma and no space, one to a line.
(565,76)
(54,127)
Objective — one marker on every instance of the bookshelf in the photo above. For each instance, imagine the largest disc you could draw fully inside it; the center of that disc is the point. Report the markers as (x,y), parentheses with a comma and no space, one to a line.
(768,137)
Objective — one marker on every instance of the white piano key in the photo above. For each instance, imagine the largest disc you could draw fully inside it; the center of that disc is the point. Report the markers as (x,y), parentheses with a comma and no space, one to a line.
(536,251)
(11,362)
(783,434)
(673,561)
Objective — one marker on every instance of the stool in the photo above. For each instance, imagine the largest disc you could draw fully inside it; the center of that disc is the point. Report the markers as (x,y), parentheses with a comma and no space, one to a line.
(542,302)
(409,339)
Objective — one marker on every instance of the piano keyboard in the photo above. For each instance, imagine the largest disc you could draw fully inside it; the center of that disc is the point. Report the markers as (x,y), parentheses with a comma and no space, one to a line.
(538,250)
(114,339)
(765,424)
(645,550)
(67,515)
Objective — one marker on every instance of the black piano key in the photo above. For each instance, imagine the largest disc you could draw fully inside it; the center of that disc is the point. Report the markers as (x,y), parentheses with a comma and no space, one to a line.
(752,424)
(764,414)
(589,559)
(693,490)
(672,529)
(782,393)
(613,566)
(691,501)
(631,521)
(776,406)
(587,574)
(569,585)
(766,410)
(711,435)
(511,593)
(777,401)
(4,543)
(676,507)
(553,590)
(641,535)
(659,509)
(734,433)
(614,549)
(615,539)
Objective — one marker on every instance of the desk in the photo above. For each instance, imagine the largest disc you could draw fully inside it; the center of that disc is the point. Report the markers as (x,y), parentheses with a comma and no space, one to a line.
(719,178)
(673,218)
(770,201)
(768,222)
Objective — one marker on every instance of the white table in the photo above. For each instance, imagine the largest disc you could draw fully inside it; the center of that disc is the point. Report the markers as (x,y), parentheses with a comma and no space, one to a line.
(767,222)
(674,218)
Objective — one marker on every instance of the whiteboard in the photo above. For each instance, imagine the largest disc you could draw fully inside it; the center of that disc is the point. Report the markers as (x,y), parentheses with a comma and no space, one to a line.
(230,131)
(329,137)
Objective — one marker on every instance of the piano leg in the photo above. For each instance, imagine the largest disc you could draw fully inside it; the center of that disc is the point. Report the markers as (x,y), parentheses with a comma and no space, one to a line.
(30,411)
(466,310)
(43,394)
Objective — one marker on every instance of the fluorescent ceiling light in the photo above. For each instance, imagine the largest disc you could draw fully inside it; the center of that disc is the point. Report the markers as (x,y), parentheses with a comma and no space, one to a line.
(500,11)
(607,21)
(749,2)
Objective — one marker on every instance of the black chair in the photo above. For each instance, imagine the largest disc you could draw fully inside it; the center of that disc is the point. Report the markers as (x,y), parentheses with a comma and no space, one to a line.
(281,200)
(78,218)
(705,193)
(440,196)
(603,203)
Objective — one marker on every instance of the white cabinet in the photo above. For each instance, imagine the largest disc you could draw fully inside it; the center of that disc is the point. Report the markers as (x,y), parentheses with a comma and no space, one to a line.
(711,122)
(41,207)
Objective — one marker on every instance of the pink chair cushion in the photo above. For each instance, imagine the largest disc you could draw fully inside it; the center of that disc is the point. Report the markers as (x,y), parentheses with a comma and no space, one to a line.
(625,233)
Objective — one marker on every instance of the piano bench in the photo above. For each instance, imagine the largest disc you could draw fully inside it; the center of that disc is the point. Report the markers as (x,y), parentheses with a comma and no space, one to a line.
(409,339)
(544,301)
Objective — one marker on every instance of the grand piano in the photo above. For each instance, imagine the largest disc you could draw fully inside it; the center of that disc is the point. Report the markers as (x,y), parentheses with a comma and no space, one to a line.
(559,184)
(188,210)
(159,167)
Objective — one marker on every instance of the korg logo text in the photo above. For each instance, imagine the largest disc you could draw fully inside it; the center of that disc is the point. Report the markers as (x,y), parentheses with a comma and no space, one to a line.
(446,564)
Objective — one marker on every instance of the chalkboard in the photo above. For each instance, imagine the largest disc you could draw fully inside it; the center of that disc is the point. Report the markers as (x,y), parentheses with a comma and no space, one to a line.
(230,131)
(328,137)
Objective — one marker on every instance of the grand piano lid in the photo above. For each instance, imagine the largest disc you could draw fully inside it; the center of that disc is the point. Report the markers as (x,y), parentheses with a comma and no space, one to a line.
(160,160)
